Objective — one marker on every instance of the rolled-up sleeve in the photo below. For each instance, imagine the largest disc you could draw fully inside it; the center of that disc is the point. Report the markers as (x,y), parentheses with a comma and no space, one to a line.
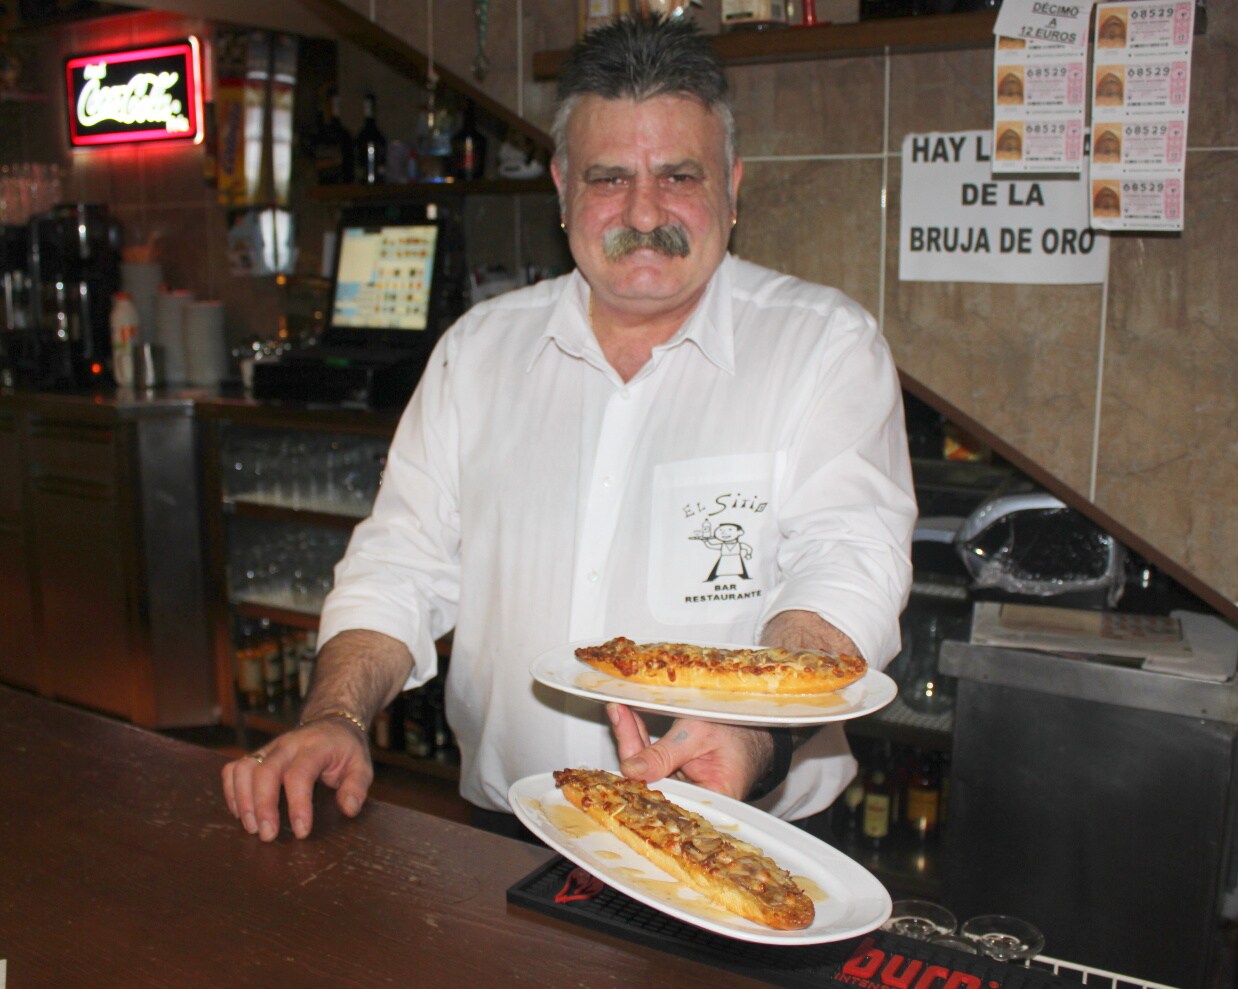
(847,509)
(401,573)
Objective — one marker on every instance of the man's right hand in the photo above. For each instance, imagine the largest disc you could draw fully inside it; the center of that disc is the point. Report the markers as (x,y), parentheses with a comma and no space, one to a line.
(331,750)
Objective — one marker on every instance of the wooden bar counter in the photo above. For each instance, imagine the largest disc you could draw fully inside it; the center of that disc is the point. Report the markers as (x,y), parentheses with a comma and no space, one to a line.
(121,866)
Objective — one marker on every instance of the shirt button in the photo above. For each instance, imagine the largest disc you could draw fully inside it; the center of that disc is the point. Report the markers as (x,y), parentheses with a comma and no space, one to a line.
(607,481)
(625,393)
(592,576)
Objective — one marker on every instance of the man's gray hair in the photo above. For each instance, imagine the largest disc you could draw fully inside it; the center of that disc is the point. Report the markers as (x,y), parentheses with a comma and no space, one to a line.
(637,59)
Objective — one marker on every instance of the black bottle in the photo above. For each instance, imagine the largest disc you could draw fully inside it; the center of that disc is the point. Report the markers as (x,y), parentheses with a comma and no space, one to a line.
(371,147)
(468,147)
(333,148)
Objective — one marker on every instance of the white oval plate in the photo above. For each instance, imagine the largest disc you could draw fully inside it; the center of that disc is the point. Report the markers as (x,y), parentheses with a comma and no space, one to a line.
(559,668)
(847,898)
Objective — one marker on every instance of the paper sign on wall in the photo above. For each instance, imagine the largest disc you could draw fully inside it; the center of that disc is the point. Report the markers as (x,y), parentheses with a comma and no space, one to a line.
(1141,84)
(961,224)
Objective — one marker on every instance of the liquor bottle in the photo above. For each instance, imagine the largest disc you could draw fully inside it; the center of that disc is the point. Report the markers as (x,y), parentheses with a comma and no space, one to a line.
(924,797)
(333,147)
(291,645)
(849,809)
(248,667)
(878,803)
(272,664)
(383,729)
(468,147)
(418,741)
(371,147)
(305,664)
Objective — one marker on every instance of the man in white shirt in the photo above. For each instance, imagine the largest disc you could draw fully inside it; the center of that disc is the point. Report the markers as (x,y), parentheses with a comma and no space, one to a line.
(570,445)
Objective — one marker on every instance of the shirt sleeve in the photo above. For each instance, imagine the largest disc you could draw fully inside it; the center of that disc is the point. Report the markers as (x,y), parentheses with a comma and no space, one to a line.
(401,573)
(848,509)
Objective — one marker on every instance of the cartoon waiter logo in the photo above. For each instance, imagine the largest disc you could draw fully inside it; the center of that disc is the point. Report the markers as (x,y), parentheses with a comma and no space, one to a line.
(732,552)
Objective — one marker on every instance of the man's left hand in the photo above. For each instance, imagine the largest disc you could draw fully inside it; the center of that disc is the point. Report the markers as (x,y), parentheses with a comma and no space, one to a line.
(724,758)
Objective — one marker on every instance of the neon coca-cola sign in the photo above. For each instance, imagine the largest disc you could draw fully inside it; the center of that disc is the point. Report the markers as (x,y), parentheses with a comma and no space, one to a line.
(144,94)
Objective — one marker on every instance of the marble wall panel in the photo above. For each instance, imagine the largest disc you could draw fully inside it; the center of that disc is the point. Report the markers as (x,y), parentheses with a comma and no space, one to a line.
(1214,81)
(1168,454)
(818,220)
(940,91)
(809,108)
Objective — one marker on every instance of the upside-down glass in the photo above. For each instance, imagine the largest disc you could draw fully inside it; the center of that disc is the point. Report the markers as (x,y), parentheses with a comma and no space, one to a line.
(1004,938)
(919,919)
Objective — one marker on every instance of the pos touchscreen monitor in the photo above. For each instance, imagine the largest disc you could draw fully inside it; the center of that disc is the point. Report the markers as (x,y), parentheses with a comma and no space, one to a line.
(386,283)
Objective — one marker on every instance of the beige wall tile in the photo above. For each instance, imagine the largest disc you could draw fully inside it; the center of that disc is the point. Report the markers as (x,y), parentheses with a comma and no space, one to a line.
(940,91)
(1168,464)
(1214,81)
(809,108)
(818,220)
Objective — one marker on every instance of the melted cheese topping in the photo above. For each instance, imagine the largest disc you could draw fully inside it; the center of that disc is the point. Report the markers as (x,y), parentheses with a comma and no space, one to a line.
(687,836)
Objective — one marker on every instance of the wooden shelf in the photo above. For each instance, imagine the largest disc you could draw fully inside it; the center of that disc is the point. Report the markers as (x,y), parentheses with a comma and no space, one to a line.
(933,31)
(430,191)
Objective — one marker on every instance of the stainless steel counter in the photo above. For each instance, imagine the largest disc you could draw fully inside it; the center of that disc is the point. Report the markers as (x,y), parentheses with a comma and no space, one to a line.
(1097,679)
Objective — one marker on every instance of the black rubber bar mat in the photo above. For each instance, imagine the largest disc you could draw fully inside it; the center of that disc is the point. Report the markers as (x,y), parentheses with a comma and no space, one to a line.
(872,961)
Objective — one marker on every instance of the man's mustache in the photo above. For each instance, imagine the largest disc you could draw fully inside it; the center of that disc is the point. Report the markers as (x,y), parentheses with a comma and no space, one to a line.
(622,241)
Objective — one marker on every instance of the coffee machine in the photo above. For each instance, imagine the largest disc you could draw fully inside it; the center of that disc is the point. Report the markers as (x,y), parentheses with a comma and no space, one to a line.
(74,269)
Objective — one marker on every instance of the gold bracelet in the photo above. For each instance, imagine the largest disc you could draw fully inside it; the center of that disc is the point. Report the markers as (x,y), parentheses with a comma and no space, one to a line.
(341,713)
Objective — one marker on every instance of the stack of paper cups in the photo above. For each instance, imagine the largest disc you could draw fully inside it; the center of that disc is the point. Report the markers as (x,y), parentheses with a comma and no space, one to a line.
(206,350)
(141,279)
(170,333)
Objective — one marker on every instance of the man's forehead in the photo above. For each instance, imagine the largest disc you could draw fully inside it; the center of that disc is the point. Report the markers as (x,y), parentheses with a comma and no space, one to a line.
(596,112)
(598,131)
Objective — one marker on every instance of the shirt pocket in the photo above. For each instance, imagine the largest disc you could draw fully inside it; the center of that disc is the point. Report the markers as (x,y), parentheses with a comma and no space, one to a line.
(713,538)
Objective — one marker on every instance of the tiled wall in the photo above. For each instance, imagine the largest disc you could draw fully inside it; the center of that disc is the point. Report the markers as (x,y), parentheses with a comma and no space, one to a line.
(1124,391)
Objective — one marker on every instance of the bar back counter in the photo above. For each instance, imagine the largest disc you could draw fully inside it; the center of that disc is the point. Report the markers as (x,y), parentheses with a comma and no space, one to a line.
(101,590)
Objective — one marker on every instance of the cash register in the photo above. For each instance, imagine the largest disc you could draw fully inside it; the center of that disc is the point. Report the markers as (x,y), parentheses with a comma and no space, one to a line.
(390,298)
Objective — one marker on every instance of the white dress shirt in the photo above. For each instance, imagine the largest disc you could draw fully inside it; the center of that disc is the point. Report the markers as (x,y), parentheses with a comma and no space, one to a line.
(757,463)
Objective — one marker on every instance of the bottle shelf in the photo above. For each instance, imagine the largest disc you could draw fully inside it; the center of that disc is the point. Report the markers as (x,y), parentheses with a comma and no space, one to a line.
(932,31)
(329,514)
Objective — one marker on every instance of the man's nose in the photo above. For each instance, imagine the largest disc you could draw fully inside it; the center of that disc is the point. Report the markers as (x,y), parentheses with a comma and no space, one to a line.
(644,210)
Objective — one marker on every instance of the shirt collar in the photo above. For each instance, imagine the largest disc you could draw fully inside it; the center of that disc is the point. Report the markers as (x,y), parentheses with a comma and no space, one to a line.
(709,328)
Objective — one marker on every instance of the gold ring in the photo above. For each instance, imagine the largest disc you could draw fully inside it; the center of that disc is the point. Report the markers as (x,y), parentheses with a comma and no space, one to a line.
(258,757)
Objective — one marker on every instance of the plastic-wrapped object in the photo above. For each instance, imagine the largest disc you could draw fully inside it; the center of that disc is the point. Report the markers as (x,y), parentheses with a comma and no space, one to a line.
(1031,543)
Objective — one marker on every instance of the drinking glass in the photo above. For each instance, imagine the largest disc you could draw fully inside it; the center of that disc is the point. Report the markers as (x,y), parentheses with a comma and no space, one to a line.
(919,919)
(1004,938)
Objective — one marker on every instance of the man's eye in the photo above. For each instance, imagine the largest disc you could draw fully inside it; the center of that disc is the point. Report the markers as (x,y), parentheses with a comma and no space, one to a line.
(681,178)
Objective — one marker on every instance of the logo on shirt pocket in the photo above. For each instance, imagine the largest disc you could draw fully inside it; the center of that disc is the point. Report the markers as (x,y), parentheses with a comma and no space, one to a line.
(713,538)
